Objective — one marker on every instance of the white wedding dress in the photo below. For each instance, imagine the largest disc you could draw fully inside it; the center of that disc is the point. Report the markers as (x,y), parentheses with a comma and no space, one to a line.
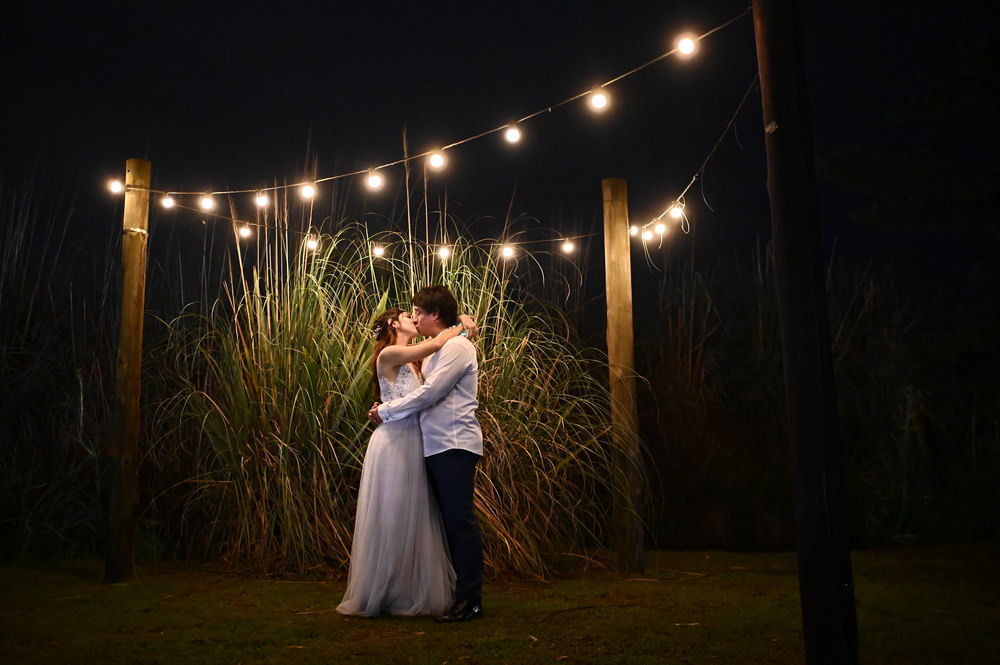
(399,557)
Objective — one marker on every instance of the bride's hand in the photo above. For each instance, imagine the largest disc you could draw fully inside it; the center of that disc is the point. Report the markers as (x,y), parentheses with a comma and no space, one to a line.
(469,324)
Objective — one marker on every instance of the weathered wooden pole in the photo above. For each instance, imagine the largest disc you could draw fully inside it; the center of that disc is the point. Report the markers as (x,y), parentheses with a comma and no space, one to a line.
(821,533)
(123,448)
(629,554)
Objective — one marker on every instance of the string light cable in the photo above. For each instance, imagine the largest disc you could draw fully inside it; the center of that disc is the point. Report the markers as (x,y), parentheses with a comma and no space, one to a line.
(676,209)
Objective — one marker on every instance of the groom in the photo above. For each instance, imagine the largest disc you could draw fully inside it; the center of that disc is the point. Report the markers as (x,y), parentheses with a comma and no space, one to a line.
(453,441)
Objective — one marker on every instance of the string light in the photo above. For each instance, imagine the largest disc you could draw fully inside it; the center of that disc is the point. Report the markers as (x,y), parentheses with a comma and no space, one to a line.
(436,160)
(633,230)
(378,250)
(512,133)
(312,243)
(374,180)
(116,186)
(660,228)
(444,252)
(599,100)
(168,201)
(507,252)
(245,231)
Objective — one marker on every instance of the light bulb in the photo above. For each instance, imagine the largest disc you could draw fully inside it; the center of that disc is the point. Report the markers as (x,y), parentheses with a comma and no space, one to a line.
(599,100)
(437,160)
(312,244)
(168,201)
(633,230)
(206,202)
(245,231)
(374,180)
(676,211)
(660,228)
(116,186)
(507,251)
(307,191)
(261,199)
(444,252)
(687,45)
(568,246)
(647,235)
(378,250)
(512,133)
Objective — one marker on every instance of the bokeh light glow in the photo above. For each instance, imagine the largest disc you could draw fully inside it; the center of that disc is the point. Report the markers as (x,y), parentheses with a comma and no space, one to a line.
(436,161)
(599,100)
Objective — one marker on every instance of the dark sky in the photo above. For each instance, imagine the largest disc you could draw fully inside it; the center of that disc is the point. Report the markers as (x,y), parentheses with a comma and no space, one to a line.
(238,95)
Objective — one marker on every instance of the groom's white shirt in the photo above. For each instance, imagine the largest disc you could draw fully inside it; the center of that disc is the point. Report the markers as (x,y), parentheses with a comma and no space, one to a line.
(446,401)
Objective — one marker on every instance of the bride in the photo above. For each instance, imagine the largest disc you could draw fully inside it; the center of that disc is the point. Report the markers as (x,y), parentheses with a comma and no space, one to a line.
(399,557)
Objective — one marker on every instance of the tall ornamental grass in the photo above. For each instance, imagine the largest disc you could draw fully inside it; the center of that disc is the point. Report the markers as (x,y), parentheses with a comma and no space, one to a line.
(260,427)
(915,365)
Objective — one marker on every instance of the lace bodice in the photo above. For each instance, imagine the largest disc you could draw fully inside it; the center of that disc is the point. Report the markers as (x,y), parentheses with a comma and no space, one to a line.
(406,381)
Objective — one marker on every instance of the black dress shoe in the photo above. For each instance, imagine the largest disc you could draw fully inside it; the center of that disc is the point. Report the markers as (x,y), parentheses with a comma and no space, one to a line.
(462,610)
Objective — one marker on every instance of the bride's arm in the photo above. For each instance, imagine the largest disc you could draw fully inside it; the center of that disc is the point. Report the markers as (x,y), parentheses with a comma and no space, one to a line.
(394,356)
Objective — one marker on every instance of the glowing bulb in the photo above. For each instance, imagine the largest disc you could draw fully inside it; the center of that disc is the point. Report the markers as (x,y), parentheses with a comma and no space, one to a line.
(307,191)
(261,200)
(116,186)
(507,251)
(312,244)
(633,230)
(168,201)
(245,231)
(660,228)
(676,211)
(444,252)
(437,160)
(374,180)
(568,246)
(647,235)
(599,100)
(512,133)
(686,46)
(378,250)
(206,202)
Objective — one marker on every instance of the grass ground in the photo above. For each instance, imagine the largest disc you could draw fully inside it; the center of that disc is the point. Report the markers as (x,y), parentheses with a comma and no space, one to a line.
(915,605)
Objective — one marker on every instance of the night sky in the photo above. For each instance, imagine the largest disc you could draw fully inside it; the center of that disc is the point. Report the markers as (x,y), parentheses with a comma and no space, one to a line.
(240,95)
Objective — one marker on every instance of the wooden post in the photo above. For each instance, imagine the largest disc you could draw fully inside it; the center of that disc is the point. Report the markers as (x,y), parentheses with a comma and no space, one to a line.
(123,449)
(822,540)
(629,554)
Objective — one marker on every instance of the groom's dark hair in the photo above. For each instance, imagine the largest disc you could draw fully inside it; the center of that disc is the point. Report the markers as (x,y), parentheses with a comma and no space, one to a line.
(438,300)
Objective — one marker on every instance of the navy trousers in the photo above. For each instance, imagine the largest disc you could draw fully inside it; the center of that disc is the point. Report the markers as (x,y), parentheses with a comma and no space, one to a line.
(451,475)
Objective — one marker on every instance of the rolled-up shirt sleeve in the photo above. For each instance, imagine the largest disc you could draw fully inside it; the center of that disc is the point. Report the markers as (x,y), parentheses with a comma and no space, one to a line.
(450,365)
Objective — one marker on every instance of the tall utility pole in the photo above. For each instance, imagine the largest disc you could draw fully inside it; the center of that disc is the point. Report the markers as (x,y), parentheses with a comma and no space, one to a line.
(122,459)
(826,585)
(629,553)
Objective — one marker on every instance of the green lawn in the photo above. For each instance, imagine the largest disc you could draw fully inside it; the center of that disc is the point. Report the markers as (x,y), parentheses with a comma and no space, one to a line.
(915,605)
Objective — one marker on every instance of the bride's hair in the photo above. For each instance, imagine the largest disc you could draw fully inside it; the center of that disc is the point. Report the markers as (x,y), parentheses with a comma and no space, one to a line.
(384,334)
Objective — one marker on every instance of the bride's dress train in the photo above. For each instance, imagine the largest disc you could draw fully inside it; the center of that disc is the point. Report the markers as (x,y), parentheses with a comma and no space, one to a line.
(399,557)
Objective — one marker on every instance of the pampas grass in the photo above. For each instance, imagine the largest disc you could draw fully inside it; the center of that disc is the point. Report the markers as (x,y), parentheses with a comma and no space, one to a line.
(262,423)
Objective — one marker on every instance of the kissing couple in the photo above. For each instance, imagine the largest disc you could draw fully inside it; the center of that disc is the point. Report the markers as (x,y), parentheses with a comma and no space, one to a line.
(417,547)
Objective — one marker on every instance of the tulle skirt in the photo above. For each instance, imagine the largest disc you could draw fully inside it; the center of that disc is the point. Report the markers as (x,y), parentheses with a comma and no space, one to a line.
(399,556)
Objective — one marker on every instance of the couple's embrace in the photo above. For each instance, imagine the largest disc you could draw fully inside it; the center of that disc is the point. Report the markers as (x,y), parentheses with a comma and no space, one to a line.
(417,546)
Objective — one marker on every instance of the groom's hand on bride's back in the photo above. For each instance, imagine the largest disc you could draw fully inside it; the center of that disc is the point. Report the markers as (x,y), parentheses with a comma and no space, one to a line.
(373,415)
